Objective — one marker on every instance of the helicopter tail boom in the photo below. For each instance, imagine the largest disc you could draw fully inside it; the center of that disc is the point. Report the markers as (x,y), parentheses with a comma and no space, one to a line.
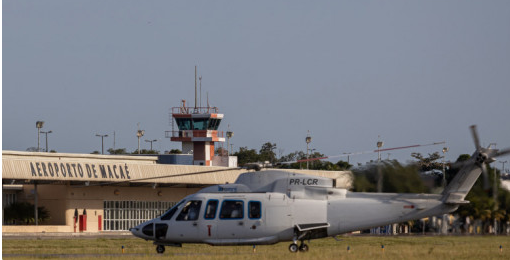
(471,169)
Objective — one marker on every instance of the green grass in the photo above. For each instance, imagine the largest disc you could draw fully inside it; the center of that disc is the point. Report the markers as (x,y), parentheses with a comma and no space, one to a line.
(361,247)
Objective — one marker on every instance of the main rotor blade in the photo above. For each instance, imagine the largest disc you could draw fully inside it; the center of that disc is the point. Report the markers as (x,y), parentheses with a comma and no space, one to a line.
(474,133)
(486,184)
(503,152)
(364,152)
(159,177)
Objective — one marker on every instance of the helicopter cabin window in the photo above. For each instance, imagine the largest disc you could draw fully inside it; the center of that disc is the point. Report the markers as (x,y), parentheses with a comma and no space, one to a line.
(232,209)
(210,209)
(190,211)
(170,213)
(254,210)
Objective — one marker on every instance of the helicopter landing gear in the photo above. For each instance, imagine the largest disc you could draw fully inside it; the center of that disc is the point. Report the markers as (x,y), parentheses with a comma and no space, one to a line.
(160,249)
(293,248)
(302,248)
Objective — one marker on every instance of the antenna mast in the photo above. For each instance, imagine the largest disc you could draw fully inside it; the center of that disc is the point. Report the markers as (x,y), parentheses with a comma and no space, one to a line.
(195,88)
(200,79)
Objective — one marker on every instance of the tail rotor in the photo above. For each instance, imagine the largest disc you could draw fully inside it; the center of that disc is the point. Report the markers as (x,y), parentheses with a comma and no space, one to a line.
(485,156)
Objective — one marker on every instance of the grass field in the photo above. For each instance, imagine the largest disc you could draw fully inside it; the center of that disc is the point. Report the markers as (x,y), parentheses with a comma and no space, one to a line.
(361,247)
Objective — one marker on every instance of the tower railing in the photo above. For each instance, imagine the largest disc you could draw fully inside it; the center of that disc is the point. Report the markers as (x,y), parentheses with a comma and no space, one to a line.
(189,133)
(195,110)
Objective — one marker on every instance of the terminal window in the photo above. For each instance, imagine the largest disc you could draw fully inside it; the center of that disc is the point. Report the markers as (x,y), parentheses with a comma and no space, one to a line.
(123,215)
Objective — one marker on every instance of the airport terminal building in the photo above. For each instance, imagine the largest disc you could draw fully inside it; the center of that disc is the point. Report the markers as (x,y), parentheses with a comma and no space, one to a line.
(92,193)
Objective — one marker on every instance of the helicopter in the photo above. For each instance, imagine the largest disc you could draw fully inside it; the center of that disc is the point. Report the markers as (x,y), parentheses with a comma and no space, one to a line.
(267,207)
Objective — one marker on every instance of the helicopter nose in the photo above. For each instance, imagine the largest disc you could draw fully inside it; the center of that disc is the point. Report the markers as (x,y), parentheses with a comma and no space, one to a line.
(138,230)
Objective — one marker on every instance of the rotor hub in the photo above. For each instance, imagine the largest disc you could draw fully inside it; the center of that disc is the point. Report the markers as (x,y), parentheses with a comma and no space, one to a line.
(481,158)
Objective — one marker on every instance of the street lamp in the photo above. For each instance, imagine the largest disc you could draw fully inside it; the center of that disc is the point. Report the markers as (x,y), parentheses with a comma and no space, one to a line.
(444,226)
(445,150)
(503,168)
(308,140)
(379,172)
(47,132)
(151,141)
(230,134)
(39,125)
(139,134)
(102,142)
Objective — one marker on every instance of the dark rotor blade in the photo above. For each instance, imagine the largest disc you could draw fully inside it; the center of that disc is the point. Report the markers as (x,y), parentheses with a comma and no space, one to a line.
(159,177)
(474,133)
(503,152)
(486,184)
(459,165)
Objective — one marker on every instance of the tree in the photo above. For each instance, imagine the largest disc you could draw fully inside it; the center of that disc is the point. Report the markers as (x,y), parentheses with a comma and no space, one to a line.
(220,151)
(344,165)
(117,151)
(245,155)
(175,151)
(95,152)
(267,152)
(428,163)
(482,205)
(23,213)
(396,178)
(145,151)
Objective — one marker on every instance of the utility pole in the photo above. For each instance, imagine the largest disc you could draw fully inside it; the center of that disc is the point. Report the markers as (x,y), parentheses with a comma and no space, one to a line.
(308,140)
(151,141)
(39,125)
(379,172)
(102,141)
(444,226)
(140,133)
(495,194)
(47,132)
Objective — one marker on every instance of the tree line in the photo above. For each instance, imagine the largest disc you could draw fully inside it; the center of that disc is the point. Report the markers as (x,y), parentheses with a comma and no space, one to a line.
(423,175)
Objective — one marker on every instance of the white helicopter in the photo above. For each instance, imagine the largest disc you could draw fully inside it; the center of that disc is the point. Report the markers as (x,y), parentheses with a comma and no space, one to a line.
(268,207)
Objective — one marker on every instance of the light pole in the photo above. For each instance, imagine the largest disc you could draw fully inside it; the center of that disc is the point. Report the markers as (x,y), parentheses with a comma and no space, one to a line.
(47,132)
(379,172)
(444,227)
(445,150)
(308,140)
(495,194)
(39,125)
(151,141)
(311,153)
(139,134)
(102,142)
(230,134)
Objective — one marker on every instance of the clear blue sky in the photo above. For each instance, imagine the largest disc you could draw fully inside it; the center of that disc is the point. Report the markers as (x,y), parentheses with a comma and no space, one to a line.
(410,71)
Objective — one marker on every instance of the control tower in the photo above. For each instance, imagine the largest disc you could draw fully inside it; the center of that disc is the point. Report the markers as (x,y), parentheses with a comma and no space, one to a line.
(197,131)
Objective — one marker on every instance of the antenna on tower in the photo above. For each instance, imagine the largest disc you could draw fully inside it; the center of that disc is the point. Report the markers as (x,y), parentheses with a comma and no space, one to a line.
(195,88)
(200,79)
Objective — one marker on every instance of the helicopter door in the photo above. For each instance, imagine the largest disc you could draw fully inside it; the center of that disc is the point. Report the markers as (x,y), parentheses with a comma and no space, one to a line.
(209,226)
(232,223)
(186,224)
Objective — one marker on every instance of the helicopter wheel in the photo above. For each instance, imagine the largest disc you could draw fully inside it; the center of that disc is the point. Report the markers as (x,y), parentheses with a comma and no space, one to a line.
(160,249)
(293,248)
(303,247)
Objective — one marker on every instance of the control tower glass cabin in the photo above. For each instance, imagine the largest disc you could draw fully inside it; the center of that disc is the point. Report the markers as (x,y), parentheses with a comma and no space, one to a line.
(198,131)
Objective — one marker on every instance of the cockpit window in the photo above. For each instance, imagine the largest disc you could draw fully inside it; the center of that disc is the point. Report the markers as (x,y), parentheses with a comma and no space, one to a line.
(190,211)
(169,214)
(232,209)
